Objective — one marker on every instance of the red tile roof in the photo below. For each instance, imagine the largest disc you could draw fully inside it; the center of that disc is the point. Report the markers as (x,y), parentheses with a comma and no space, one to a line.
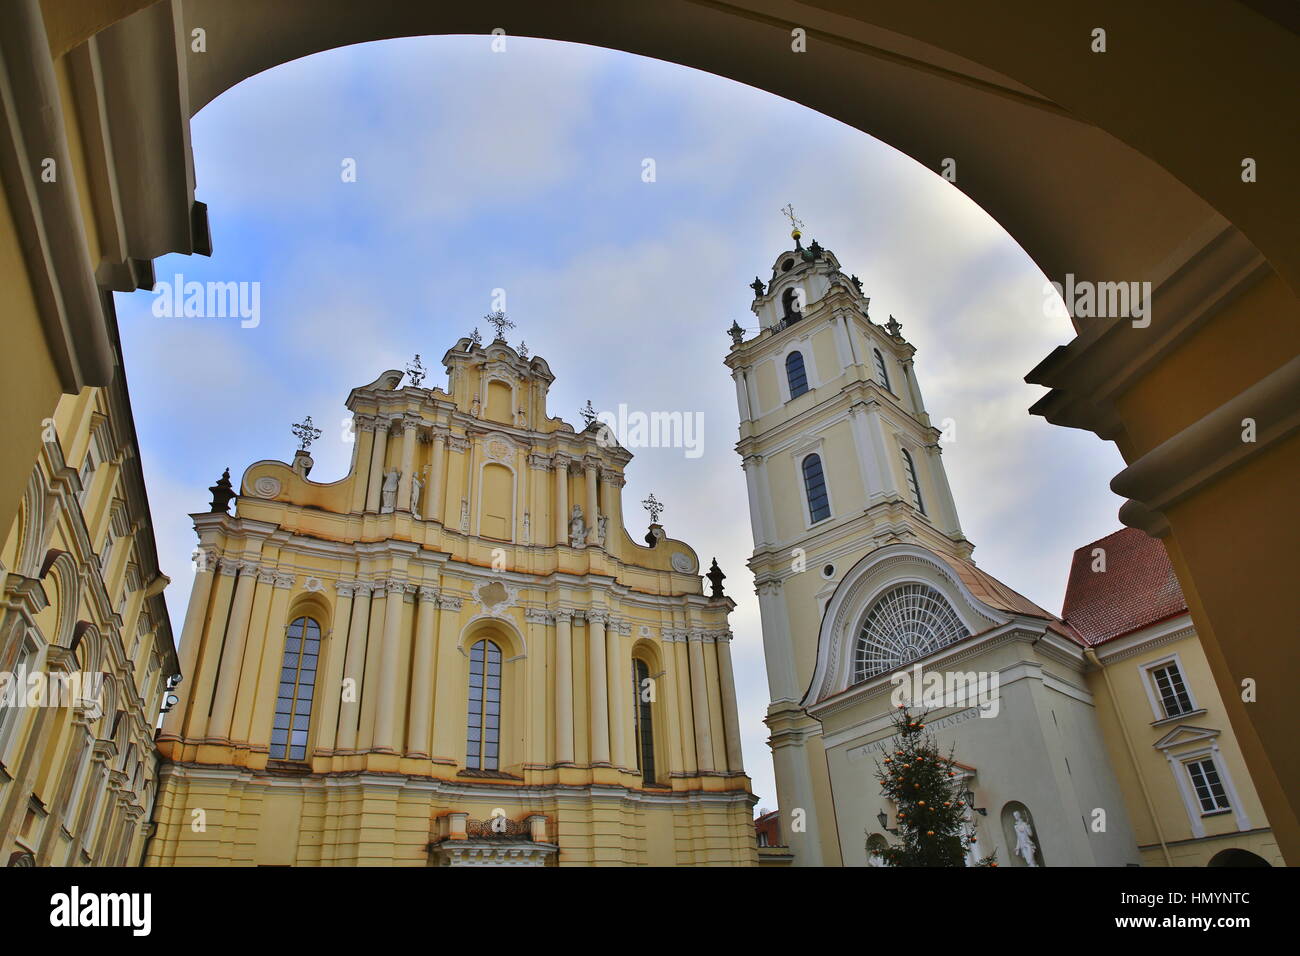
(1137,588)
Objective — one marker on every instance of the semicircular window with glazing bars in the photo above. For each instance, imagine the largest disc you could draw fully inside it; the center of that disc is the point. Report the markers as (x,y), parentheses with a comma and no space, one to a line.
(906,623)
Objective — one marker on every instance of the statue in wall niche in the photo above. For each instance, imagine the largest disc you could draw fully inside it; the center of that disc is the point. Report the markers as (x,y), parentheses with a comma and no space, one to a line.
(464,515)
(416,487)
(528,537)
(602,525)
(1026,845)
(474,407)
(577,527)
(521,419)
(389,493)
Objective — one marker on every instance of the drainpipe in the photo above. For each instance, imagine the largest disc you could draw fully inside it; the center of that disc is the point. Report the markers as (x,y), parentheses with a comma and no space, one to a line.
(1090,655)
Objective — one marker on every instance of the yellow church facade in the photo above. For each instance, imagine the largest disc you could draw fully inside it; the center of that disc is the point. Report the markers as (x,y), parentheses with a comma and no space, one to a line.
(456,654)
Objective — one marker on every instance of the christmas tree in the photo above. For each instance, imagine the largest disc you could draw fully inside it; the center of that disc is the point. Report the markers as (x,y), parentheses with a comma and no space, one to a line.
(923,783)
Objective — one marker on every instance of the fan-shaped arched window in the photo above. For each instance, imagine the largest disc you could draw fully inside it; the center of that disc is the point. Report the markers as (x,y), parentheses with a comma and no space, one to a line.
(881,370)
(643,710)
(914,486)
(297,688)
(905,624)
(814,485)
(483,739)
(796,374)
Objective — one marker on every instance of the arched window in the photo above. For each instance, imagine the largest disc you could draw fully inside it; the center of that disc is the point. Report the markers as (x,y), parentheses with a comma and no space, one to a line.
(796,374)
(814,483)
(297,688)
(483,740)
(644,717)
(905,624)
(791,305)
(881,370)
(914,486)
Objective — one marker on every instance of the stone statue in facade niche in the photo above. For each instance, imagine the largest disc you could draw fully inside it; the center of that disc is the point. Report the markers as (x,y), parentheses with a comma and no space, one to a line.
(464,515)
(1026,848)
(528,538)
(416,487)
(602,526)
(577,528)
(389,493)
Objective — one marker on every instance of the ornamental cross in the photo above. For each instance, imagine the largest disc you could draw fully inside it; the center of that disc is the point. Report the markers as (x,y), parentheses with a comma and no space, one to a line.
(415,371)
(795,222)
(653,506)
(499,322)
(587,412)
(306,433)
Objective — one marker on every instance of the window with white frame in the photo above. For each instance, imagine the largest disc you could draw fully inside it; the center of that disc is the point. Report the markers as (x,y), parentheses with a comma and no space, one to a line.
(881,371)
(1210,792)
(913,484)
(1171,691)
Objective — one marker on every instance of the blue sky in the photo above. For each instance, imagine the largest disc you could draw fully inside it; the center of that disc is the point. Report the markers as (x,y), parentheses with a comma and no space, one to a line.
(522,170)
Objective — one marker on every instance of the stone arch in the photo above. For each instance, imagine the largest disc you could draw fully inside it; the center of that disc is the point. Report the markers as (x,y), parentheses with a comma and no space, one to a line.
(67,594)
(35,522)
(648,653)
(871,577)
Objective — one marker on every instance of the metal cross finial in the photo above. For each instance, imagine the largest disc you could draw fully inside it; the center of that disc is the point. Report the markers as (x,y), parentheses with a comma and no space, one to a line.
(653,506)
(415,371)
(523,350)
(796,224)
(475,338)
(499,322)
(306,433)
(587,412)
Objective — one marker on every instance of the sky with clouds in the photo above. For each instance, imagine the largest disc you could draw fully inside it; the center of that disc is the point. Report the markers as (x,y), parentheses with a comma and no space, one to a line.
(522,171)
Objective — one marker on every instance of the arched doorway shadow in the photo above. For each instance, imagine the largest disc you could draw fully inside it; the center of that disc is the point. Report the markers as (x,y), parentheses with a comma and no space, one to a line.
(1237,858)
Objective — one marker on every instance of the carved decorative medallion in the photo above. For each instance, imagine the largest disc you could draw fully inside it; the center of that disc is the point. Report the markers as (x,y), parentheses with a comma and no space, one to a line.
(266,487)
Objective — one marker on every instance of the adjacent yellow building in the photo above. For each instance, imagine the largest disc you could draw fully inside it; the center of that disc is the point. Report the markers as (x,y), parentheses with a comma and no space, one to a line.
(85,645)
(1189,794)
(456,654)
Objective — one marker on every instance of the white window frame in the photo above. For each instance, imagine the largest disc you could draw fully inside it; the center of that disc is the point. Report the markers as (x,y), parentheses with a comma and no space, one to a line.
(798,458)
(804,346)
(922,490)
(1183,777)
(882,369)
(1147,670)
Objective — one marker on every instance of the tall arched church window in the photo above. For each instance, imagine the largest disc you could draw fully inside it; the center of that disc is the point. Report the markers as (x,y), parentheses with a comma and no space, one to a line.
(796,374)
(483,739)
(814,483)
(906,623)
(644,716)
(881,371)
(297,689)
(914,486)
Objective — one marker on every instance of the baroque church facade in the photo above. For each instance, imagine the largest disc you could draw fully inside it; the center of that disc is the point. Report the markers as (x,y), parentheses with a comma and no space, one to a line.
(455,654)
(869,597)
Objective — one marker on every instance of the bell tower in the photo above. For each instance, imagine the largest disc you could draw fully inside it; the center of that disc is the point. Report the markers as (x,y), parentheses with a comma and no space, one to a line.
(840,458)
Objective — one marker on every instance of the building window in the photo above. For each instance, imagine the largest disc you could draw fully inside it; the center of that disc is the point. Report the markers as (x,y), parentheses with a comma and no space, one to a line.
(905,624)
(914,486)
(10,715)
(814,484)
(644,717)
(297,688)
(483,741)
(796,374)
(1174,698)
(881,371)
(1209,788)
